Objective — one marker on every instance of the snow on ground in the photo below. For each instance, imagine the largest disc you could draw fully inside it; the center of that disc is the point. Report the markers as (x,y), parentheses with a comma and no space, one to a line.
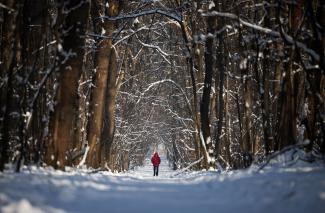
(284,189)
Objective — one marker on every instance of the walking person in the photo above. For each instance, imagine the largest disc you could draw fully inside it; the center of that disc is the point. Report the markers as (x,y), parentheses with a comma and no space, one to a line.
(155,160)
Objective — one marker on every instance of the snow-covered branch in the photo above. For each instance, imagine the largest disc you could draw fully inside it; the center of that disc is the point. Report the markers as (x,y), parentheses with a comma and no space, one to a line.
(243,22)
(42,47)
(6,7)
(189,166)
(168,14)
(176,116)
(158,49)
(173,83)
(130,35)
(154,47)
(68,10)
(287,38)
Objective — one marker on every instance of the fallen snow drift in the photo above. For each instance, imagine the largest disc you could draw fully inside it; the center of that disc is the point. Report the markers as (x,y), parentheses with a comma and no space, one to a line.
(283,189)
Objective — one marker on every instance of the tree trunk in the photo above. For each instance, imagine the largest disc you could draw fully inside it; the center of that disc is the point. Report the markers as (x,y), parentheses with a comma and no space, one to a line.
(105,81)
(205,102)
(219,81)
(247,112)
(227,122)
(109,110)
(287,118)
(64,120)
(190,66)
(8,50)
(315,126)
(264,95)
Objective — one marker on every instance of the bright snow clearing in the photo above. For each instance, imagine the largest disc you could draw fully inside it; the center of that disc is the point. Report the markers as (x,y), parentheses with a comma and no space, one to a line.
(285,189)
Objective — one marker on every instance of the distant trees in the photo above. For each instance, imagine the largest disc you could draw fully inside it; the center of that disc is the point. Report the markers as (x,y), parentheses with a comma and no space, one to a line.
(100,83)
(271,60)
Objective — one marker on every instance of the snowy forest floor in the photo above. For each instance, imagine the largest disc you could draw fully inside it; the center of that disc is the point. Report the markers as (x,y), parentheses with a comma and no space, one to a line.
(298,188)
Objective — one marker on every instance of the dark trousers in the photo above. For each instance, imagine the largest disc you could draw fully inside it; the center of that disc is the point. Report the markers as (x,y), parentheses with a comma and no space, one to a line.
(155,171)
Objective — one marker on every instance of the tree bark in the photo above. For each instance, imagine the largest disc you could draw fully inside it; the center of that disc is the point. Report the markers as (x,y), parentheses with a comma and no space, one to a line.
(104,92)
(315,126)
(219,83)
(6,72)
(64,120)
(287,118)
(190,66)
(107,136)
(205,102)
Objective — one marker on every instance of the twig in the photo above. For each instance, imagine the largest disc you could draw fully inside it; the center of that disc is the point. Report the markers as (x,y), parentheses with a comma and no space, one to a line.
(6,7)
(189,166)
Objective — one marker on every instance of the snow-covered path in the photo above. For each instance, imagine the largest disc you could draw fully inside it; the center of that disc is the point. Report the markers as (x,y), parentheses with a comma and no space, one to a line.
(281,190)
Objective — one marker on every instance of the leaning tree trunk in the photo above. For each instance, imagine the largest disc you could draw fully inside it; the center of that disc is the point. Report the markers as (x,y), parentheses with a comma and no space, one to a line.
(70,65)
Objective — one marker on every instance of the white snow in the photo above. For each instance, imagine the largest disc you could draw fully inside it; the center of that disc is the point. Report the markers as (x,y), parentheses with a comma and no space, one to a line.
(83,160)
(211,5)
(298,188)
(243,64)
(60,48)
(103,32)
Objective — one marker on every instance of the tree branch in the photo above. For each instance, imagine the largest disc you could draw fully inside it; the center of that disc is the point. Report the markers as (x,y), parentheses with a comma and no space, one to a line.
(168,14)
(6,7)
(288,39)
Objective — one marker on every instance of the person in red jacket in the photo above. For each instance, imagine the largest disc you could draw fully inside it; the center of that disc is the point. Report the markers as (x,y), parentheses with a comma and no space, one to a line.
(155,160)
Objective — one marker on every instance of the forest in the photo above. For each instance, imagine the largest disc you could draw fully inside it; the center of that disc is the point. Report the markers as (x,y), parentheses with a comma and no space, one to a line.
(220,83)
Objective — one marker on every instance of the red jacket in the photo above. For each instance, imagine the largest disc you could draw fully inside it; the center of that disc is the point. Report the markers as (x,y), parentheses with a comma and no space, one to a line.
(155,160)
